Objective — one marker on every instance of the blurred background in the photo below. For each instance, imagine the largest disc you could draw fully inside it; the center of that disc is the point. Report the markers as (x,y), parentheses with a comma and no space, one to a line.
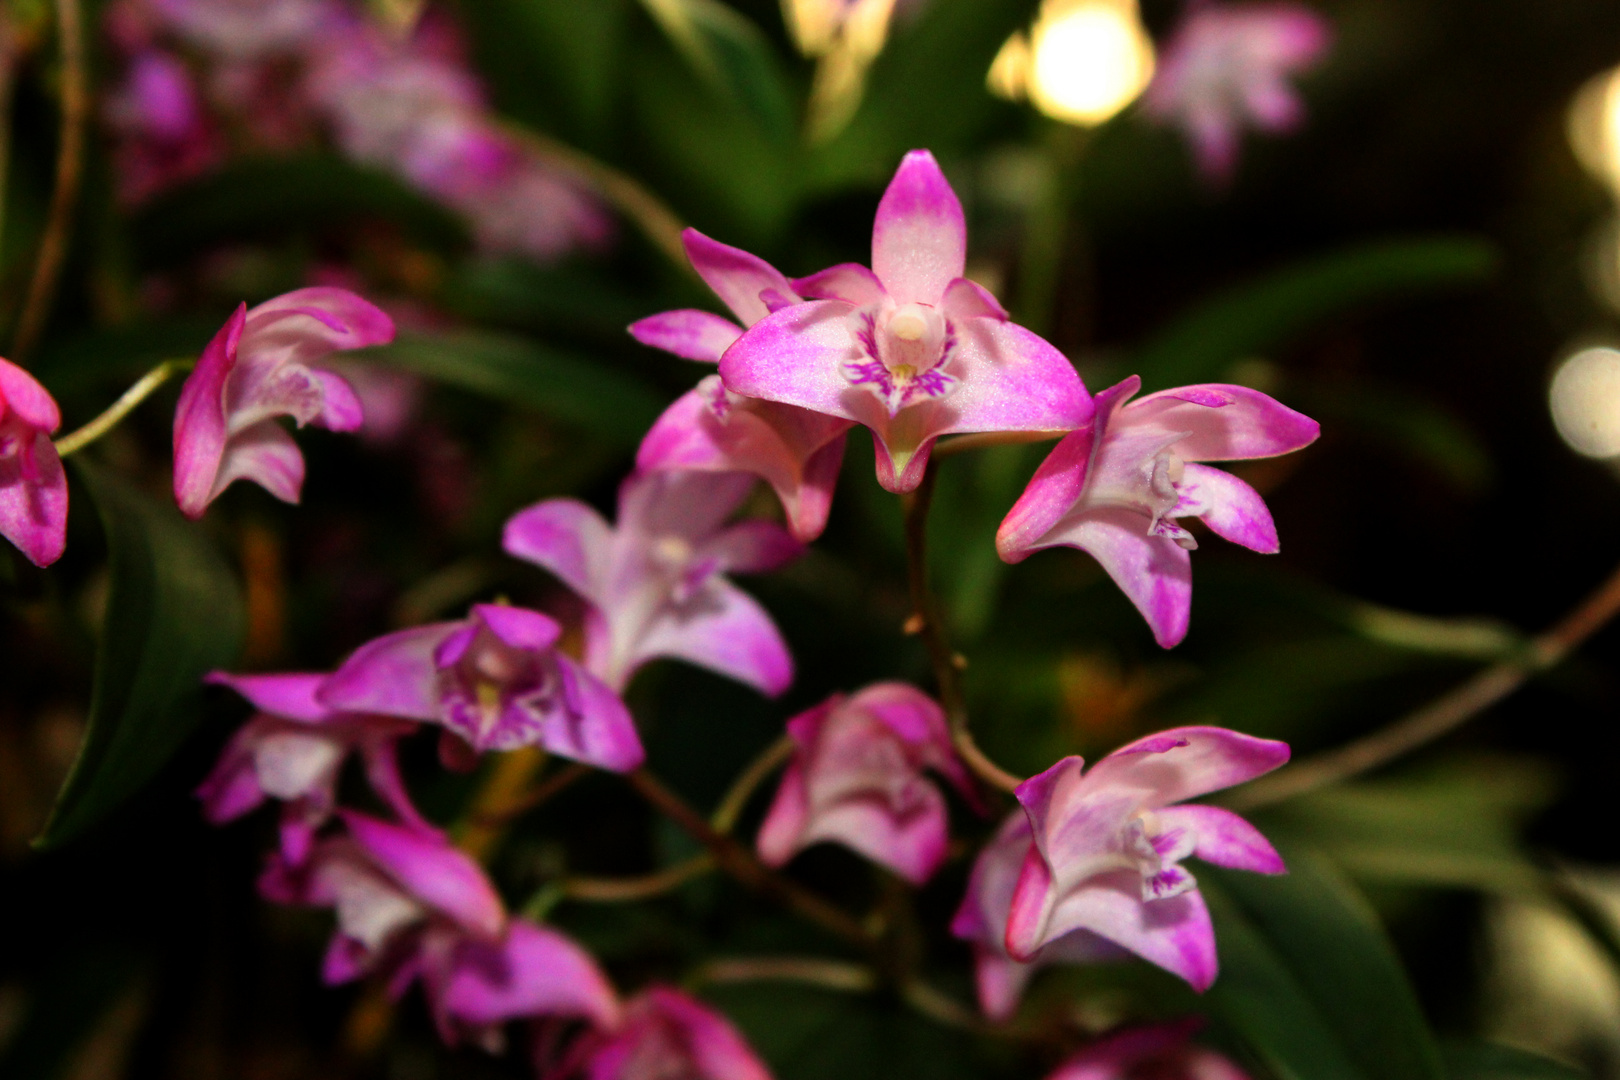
(1410,266)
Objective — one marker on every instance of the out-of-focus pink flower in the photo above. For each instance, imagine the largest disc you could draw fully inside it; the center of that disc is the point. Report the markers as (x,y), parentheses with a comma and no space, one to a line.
(162,135)
(794,450)
(1108,845)
(293,751)
(260,366)
(33,487)
(656,583)
(910,348)
(1114,490)
(250,28)
(1227,66)
(494,679)
(665,1033)
(410,906)
(857,779)
(982,922)
(1159,1051)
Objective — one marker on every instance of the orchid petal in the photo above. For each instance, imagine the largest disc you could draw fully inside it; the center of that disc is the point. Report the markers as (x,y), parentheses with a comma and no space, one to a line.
(518,627)
(1012,380)
(967,299)
(1223,838)
(341,408)
(1224,422)
(1175,933)
(1186,762)
(692,334)
(432,871)
(850,282)
(736,277)
(23,396)
(726,630)
(683,504)
(1052,491)
(1154,573)
(290,696)
(395,675)
(919,237)
(33,508)
(1233,509)
(794,356)
(306,324)
(603,733)
(266,455)
(752,547)
(717,1048)
(199,419)
(566,537)
(780,832)
(533,971)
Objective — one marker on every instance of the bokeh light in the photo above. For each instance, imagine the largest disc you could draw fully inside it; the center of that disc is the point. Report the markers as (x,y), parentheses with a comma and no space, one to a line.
(1082,62)
(1593,125)
(1585,402)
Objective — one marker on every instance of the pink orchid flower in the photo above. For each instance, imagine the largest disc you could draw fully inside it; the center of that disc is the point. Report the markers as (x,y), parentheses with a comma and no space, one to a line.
(793,449)
(293,751)
(1160,1051)
(250,28)
(163,136)
(1114,490)
(982,921)
(666,1033)
(411,907)
(260,366)
(656,583)
(33,486)
(1108,845)
(1227,66)
(910,348)
(497,681)
(857,779)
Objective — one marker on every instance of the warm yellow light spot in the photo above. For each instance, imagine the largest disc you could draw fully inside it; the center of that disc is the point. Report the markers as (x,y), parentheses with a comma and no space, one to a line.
(1594,127)
(1585,402)
(1084,60)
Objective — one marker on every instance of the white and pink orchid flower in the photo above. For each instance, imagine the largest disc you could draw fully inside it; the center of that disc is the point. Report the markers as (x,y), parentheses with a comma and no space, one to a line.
(496,681)
(1159,1051)
(1116,489)
(656,582)
(665,1033)
(795,450)
(858,778)
(1226,67)
(293,751)
(1107,845)
(33,486)
(263,365)
(910,348)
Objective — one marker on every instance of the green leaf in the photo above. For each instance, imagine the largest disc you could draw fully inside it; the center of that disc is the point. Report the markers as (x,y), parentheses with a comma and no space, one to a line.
(1490,1061)
(1402,421)
(174,613)
(731,54)
(1263,314)
(1310,980)
(613,405)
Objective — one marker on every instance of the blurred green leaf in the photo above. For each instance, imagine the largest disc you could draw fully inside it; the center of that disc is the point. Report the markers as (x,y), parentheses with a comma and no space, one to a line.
(272,198)
(613,405)
(731,54)
(1403,421)
(1490,1061)
(1310,980)
(174,613)
(518,294)
(1263,314)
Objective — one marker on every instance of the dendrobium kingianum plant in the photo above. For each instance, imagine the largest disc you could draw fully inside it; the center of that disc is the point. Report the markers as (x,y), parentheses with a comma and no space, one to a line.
(1089,868)
(262,365)
(1116,489)
(910,348)
(1227,66)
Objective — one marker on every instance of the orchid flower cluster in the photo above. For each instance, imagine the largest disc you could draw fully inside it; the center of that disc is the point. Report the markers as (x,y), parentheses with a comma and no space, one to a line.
(1088,868)
(204,77)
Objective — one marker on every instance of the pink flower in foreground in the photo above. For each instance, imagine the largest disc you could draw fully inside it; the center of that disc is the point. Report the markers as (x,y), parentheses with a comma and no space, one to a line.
(1108,845)
(410,906)
(33,487)
(656,582)
(665,1033)
(293,751)
(982,921)
(1159,1052)
(494,679)
(1227,66)
(910,348)
(857,779)
(1115,489)
(259,367)
(795,450)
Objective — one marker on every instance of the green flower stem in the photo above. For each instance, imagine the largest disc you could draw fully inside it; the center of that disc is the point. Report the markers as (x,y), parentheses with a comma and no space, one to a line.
(143,388)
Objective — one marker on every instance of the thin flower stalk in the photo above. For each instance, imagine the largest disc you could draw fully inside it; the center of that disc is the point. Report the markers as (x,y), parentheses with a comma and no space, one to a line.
(114,414)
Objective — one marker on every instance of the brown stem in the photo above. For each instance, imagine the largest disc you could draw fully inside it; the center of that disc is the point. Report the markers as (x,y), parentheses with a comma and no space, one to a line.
(1443,715)
(925,620)
(69,171)
(620,890)
(547,789)
(829,974)
(741,864)
(773,757)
